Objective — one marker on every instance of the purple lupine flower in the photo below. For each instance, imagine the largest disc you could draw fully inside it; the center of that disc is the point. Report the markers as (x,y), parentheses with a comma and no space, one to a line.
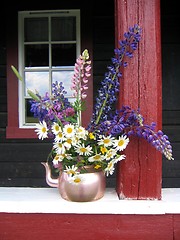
(54,108)
(107,94)
(130,122)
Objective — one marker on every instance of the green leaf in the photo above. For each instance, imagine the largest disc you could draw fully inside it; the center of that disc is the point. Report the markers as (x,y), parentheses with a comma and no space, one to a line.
(33,95)
(16,73)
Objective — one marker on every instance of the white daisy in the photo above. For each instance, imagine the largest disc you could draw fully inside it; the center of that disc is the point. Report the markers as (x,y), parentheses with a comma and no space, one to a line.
(61,157)
(59,137)
(55,128)
(69,130)
(110,168)
(82,150)
(110,154)
(106,141)
(71,170)
(42,130)
(68,143)
(57,159)
(121,143)
(81,132)
(97,157)
(119,158)
(76,179)
(59,148)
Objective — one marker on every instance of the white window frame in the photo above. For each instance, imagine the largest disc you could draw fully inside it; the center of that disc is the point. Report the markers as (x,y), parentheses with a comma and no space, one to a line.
(21,61)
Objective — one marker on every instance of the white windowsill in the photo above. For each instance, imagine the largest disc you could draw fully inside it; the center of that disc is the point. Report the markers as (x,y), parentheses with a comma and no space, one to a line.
(48,200)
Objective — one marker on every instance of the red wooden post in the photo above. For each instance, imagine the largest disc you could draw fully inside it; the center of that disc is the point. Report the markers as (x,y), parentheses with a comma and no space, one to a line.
(139,176)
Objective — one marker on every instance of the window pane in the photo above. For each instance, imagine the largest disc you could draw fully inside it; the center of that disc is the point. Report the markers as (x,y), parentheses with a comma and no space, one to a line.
(63,28)
(64,77)
(37,55)
(63,54)
(29,116)
(35,29)
(37,81)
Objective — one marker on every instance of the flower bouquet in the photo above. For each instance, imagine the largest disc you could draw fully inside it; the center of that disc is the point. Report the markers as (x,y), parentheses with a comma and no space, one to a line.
(75,147)
(102,143)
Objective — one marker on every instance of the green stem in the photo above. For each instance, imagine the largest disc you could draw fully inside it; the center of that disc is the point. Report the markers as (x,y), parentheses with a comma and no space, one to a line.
(105,100)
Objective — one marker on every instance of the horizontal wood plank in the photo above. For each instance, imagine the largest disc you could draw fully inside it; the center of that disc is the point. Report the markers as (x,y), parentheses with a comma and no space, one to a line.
(81,226)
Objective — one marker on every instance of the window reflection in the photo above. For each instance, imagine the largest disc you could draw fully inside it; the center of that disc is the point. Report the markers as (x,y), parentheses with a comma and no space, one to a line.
(29,117)
(64,77)
(37,81)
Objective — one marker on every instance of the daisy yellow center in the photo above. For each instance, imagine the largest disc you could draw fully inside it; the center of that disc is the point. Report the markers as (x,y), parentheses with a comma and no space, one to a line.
(121,142)
(69,141)
(56,157)
(43,129)
(57,128)
(110,164)
(109,154)
(97,157)
(69,130)
(106,141)
(60,134)
(60,145)
(83,149)
(71,172)
(77,180)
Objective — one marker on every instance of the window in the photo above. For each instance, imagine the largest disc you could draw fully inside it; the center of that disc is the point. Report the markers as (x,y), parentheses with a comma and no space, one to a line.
(43,46)
(49,43)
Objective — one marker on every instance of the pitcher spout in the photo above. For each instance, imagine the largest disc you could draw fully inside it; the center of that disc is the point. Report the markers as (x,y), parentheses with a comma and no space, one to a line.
(52,182)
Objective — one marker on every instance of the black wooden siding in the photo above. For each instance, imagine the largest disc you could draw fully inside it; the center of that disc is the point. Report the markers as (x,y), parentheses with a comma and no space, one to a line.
(20,158)
(171,86)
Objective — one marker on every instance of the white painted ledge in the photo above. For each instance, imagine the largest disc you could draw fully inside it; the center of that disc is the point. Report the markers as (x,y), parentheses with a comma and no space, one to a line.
(48,200)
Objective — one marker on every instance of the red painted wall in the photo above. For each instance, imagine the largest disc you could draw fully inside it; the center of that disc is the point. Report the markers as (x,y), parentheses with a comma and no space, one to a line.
(89,227)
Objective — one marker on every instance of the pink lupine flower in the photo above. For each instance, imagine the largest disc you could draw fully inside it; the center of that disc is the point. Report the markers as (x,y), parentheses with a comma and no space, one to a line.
(83,95)
(81,73)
